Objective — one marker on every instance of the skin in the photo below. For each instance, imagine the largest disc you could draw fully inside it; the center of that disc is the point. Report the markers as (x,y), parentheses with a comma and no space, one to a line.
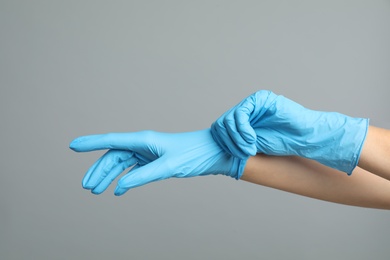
(368,186)
(375,155)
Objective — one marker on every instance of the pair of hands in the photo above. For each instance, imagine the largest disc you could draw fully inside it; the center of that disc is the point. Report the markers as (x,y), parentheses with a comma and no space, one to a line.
(262,123)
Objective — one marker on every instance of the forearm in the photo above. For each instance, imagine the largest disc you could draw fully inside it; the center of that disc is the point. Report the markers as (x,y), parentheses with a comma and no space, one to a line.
(309,178)
(375,155)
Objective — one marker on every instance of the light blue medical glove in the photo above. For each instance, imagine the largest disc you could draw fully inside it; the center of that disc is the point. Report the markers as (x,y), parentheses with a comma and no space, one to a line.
(154,156)
(272,124)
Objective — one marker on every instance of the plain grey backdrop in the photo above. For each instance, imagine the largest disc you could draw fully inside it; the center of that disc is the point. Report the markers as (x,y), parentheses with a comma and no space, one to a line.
(70,68)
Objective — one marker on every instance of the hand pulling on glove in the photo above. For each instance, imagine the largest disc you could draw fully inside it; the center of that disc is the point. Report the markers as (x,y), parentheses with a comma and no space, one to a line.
(272,124)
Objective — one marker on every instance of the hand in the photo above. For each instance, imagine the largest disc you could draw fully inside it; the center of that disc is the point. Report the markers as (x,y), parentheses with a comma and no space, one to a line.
(154,156)
(268,123)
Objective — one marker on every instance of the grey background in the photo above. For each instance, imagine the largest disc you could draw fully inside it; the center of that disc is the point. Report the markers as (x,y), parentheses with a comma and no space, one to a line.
(70,68)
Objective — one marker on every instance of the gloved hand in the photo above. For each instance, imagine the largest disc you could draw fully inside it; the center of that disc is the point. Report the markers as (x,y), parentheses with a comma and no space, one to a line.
(155,156)
(268,123)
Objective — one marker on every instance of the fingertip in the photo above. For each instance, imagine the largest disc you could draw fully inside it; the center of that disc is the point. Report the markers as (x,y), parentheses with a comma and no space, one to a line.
(74,144)
(81,144)
(88,187)
(88,143)
(96,191)
(85,181)
(120,191)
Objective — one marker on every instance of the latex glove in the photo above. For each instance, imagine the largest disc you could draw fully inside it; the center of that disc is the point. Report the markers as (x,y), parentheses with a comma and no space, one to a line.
(272,124)
(155,156)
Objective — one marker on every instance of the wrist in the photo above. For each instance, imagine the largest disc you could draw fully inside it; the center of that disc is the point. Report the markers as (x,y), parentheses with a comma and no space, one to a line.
(241,166)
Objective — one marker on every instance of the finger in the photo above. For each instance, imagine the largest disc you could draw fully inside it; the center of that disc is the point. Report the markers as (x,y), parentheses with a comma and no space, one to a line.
(89,172)
(225,133)
(119,141)
(120,191)
(248,116)
(236,144)
(242,120)
(104,166)
(115,172)
(154,171)
(239,146)
(220,135)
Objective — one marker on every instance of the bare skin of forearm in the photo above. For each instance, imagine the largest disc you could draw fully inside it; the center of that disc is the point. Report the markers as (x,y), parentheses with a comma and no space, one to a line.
(375,155)
(309,178)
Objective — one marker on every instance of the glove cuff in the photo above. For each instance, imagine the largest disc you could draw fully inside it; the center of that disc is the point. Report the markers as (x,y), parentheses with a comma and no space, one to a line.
(344,154)
(360,142)
(239,167)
